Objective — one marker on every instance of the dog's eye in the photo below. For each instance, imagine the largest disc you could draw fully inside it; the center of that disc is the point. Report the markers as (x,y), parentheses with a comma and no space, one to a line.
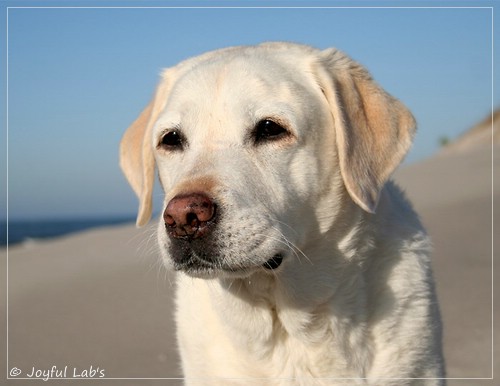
(172,141)
(267,130)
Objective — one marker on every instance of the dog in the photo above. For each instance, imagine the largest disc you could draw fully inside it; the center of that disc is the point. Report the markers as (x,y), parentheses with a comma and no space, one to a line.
(299,261)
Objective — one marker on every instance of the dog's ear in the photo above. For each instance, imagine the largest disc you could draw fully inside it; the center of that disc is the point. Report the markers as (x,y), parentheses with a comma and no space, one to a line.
(136,152)
(373,130)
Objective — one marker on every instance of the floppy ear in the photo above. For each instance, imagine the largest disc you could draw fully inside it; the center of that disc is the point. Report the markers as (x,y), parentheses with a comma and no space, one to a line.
(136,153)
(373,130)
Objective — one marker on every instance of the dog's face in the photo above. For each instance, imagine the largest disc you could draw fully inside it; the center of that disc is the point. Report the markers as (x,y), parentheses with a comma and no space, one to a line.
(241,137)
(258,150)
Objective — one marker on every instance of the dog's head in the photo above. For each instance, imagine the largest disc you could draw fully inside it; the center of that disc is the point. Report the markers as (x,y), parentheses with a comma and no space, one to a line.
(258,149)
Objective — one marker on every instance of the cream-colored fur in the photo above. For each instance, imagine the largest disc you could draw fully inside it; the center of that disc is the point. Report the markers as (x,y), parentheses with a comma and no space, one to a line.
(353,301)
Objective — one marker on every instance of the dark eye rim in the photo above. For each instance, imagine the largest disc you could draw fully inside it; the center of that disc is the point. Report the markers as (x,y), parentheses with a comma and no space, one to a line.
(172,139)
(269,130)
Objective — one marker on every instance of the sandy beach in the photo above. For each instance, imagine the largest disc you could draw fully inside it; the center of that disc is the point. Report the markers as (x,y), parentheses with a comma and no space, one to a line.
(99,302)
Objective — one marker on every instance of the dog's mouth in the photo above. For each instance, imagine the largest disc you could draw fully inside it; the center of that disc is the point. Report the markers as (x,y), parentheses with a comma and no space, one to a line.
(194,266)
(273,263)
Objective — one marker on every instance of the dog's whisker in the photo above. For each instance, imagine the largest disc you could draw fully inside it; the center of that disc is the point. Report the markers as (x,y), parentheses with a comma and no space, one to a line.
(294,248)
(274,219)
(291,246)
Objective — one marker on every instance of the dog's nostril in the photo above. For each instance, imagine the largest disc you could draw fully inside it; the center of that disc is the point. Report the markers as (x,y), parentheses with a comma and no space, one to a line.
(169,220)
(192,220)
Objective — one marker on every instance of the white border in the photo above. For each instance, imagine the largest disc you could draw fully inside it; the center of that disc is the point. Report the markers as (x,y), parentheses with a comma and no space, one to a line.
(491,8)
(492,195)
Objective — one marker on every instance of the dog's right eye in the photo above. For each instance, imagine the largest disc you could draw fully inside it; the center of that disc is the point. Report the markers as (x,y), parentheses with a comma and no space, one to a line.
(172,140)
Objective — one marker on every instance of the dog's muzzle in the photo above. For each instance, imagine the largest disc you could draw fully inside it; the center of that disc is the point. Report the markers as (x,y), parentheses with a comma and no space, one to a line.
(190,222)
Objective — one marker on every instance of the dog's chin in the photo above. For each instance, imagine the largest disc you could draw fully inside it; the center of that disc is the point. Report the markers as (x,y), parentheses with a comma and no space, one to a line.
(206,270)
(214,273)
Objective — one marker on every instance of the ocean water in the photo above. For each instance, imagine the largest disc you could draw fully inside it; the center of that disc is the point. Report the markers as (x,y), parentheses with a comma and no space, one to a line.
(19,231)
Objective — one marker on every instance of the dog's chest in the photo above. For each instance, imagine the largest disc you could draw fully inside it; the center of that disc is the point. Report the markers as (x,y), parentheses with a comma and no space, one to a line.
(268,339)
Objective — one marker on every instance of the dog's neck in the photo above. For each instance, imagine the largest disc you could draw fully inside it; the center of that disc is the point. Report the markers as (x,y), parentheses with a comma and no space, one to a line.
(294,296)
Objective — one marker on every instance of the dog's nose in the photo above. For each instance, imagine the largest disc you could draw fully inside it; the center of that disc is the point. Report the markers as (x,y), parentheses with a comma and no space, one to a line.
(189,215)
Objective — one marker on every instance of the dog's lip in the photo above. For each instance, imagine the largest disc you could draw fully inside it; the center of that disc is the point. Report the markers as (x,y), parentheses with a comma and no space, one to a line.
(202,268)
(274,262)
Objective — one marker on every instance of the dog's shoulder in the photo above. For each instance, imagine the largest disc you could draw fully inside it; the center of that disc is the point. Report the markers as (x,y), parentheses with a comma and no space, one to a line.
(400,260)
(395,213)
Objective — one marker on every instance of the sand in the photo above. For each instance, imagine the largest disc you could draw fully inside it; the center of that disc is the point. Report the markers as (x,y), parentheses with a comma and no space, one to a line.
(99,301)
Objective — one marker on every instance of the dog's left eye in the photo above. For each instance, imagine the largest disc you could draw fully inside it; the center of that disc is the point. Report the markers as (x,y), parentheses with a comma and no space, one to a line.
(268,130)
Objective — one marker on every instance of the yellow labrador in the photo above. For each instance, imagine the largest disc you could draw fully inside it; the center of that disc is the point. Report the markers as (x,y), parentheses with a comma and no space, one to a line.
(298,261)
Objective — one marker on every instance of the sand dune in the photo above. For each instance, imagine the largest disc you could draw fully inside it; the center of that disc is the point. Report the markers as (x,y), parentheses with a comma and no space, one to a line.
(480,135)
(101,299)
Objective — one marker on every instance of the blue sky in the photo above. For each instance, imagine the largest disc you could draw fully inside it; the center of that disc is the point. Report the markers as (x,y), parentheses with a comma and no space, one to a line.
(78,77)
